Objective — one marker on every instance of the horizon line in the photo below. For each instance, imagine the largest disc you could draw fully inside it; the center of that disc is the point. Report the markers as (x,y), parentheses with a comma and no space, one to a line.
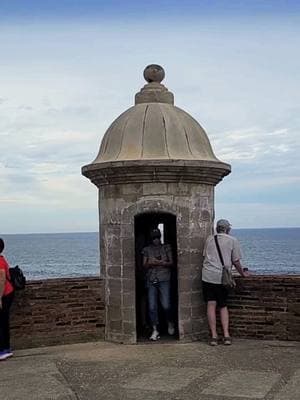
(74,232)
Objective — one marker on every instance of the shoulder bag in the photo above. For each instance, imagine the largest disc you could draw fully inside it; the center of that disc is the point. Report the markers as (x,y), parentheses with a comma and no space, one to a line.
(227,278)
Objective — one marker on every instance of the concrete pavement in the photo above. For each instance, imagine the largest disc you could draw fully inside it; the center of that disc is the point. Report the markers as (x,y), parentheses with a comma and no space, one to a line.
(246,370)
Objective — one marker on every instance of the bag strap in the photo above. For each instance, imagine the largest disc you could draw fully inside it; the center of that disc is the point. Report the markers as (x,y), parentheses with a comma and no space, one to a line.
(219,250)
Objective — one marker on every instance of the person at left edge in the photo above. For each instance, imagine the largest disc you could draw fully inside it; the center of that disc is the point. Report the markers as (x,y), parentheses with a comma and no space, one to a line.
(6,299)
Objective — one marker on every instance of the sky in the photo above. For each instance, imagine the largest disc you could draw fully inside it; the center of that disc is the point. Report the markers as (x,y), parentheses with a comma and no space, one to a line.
(68,68)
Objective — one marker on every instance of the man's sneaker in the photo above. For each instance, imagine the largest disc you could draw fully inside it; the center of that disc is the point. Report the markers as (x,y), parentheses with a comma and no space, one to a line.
(4,355)
(8,352)
(155,335)
(171,328)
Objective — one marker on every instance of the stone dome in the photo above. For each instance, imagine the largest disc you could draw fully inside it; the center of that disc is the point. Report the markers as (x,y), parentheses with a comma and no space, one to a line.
(154,129)
(155,140)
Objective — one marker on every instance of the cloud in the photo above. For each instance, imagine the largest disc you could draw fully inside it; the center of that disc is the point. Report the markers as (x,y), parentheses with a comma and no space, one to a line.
(246,215)
(255,143)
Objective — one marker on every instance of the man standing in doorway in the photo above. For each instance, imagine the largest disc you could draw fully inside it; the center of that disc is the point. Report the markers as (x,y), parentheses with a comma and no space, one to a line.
(158,260)
(214,293)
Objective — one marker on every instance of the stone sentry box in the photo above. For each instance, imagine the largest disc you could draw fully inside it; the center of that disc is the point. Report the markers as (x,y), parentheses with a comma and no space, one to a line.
(155,166)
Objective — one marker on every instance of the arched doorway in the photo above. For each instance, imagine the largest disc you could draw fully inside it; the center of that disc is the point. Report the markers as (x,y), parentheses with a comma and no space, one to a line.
(144,223)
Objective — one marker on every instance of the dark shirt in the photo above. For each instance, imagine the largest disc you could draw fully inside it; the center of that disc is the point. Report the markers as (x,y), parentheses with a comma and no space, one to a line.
(161,252)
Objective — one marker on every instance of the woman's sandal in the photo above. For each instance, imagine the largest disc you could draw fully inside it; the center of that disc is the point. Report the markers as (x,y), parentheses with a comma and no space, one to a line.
(213,341)
(227,341)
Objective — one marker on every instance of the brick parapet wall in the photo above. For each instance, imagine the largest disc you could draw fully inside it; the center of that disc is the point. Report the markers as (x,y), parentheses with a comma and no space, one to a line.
(57,311)
(266,307)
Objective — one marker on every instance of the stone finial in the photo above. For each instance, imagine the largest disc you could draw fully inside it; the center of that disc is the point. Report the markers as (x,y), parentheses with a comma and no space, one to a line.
(154,73)
(154,91)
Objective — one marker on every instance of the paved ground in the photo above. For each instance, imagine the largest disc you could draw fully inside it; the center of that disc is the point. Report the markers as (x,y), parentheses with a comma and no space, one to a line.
(246,370)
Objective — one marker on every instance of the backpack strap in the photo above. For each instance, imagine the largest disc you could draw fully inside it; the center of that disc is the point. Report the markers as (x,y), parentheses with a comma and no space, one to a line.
(219,250)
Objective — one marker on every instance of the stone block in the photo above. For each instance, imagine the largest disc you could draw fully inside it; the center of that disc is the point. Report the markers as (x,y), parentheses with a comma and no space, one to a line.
(184,285)
(183,215)
(114,285)
(129,328)
(197,311)
(110,214)
(132,188)
(179,189)
(111,191)
(156,204)
(196,299)
(183,271)
(129,300)
(196,242)
(128,213)
(128,271)
(199,325)
(196,257)
(128,251)
(128,285)
(206,215)
(185,313)
(185,299)
(183,256)
(113,271)
(186,327)
(154,188)
(129,314)
(114,313)
(127,230)
(115,326)
(202,190)
(184,243)
(196,270)
(111,257)
(183,230)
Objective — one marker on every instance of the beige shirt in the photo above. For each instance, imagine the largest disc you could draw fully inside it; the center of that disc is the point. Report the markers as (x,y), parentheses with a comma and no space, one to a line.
(212,266)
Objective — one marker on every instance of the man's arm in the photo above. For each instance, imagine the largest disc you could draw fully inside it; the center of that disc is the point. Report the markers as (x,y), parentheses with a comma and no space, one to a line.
(151,262)
(168,263)
(145,262)
(240,268)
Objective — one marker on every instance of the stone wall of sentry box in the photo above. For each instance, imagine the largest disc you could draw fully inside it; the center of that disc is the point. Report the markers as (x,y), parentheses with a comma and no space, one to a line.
(266,307)
(57,311)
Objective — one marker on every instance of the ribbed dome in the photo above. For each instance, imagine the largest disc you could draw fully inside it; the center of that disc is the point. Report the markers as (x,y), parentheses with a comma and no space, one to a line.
(155,131)
(155,140)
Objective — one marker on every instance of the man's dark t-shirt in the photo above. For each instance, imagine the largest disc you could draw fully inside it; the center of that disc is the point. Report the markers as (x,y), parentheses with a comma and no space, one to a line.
(161,252)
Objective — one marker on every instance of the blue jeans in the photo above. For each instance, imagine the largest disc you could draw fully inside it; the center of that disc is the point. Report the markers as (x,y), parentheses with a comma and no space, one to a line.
(160,290)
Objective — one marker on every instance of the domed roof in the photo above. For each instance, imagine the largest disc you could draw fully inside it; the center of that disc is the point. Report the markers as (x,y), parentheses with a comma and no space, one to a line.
(155,133)
(154,129)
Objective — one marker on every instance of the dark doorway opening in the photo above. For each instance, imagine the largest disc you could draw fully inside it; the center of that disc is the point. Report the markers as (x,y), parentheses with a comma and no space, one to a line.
(144,224)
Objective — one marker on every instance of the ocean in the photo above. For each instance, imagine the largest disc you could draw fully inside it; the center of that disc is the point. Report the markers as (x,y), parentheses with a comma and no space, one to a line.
(57,255)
